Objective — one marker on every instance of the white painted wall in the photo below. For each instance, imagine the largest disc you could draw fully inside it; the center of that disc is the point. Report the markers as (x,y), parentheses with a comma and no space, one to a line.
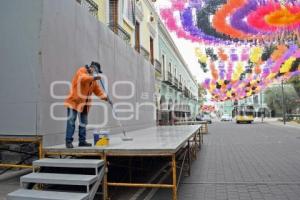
(46,41)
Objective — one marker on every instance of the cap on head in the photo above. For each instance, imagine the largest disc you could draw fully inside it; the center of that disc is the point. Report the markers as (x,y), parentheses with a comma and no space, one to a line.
(97,66)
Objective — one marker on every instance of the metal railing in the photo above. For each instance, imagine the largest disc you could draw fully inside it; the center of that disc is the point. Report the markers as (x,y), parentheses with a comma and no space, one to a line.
(118,30)
(90,5)
(186,92)
(175,83)
(180,86)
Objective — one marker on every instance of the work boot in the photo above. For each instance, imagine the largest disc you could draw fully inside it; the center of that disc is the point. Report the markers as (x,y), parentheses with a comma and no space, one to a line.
(69,145)
(84,144)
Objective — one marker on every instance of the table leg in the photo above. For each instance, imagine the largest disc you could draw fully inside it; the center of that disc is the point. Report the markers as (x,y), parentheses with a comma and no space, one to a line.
(40,149)
(200,139)
(174,177)
(104,184)
(189,158)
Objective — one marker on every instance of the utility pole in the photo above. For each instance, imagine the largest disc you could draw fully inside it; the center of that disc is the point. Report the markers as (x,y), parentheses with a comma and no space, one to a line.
(261,108)
(283,103)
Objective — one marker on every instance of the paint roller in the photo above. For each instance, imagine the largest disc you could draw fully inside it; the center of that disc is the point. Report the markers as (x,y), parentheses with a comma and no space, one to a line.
(125,138)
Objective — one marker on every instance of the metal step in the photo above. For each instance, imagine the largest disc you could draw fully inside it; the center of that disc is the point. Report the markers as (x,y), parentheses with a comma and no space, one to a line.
(68,163)
(23,194)
(59,179)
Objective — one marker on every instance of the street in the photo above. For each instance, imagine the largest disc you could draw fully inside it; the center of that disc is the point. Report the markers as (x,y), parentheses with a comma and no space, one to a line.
(244,162)
(111,98)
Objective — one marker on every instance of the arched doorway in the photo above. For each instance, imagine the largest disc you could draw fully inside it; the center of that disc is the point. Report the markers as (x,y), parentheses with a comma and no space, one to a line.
(189,112)
(157,104)
(163,117)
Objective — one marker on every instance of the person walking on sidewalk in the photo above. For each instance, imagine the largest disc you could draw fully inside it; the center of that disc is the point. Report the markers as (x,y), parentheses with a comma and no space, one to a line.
(79,100)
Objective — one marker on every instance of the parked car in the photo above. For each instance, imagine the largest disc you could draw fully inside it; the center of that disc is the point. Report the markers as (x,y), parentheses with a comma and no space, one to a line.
(199,117)
(207,118)
(226,117)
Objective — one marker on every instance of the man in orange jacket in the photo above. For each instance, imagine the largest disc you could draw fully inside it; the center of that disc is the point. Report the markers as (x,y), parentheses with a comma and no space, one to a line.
(79,100)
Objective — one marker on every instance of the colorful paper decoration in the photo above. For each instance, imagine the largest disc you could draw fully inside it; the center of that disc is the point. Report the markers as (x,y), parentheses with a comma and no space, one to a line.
(248,43)
(233,21)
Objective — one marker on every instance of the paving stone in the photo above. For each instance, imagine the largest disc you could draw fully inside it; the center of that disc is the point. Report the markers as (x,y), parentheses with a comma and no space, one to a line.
(245,162)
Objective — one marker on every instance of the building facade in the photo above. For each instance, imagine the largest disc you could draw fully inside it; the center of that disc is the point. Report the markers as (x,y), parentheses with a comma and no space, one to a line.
(134,21)
(139,25)
(259,104)
(176,89)
(61,38)
(258,101)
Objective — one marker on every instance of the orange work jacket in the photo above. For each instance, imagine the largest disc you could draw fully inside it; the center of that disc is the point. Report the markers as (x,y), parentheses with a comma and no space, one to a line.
(83,85)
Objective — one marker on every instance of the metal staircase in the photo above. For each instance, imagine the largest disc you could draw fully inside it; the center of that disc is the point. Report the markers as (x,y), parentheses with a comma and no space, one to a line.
(61,179)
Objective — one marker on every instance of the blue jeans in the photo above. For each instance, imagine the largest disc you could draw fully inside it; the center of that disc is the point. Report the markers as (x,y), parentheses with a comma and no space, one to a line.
(83,120)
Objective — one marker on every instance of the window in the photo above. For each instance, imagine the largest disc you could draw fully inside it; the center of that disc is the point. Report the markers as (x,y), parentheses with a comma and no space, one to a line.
(164,70)
(113,13)
(151,51)
(170,67)
(255,99)
(129,10)
(163,62)
(175,72)
(137,37)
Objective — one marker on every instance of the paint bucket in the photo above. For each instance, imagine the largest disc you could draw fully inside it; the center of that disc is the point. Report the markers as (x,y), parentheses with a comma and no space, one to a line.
(101,138)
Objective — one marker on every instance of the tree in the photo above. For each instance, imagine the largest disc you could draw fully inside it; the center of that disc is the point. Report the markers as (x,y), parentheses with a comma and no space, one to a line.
(295,81)
(273,97)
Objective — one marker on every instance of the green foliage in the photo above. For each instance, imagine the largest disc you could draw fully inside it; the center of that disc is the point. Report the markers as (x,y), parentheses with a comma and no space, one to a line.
(295,81)
(273,98)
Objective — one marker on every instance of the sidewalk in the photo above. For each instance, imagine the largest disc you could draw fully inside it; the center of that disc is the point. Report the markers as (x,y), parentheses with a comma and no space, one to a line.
(257,161)
(275,121)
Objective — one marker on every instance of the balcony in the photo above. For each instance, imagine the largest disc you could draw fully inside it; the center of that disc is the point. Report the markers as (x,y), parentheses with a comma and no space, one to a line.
(180,86)
(90,5)
(186,92)
(169,79)
(175,83)
(118,30)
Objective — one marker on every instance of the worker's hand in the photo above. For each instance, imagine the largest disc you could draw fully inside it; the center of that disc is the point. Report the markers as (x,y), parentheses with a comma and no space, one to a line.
(97,77)
(104,98)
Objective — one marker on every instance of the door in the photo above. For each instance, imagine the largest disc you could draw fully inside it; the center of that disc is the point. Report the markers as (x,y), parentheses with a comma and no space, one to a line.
(151,51)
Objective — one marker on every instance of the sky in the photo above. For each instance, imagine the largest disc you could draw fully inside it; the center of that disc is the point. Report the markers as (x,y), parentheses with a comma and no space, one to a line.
(187,48)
